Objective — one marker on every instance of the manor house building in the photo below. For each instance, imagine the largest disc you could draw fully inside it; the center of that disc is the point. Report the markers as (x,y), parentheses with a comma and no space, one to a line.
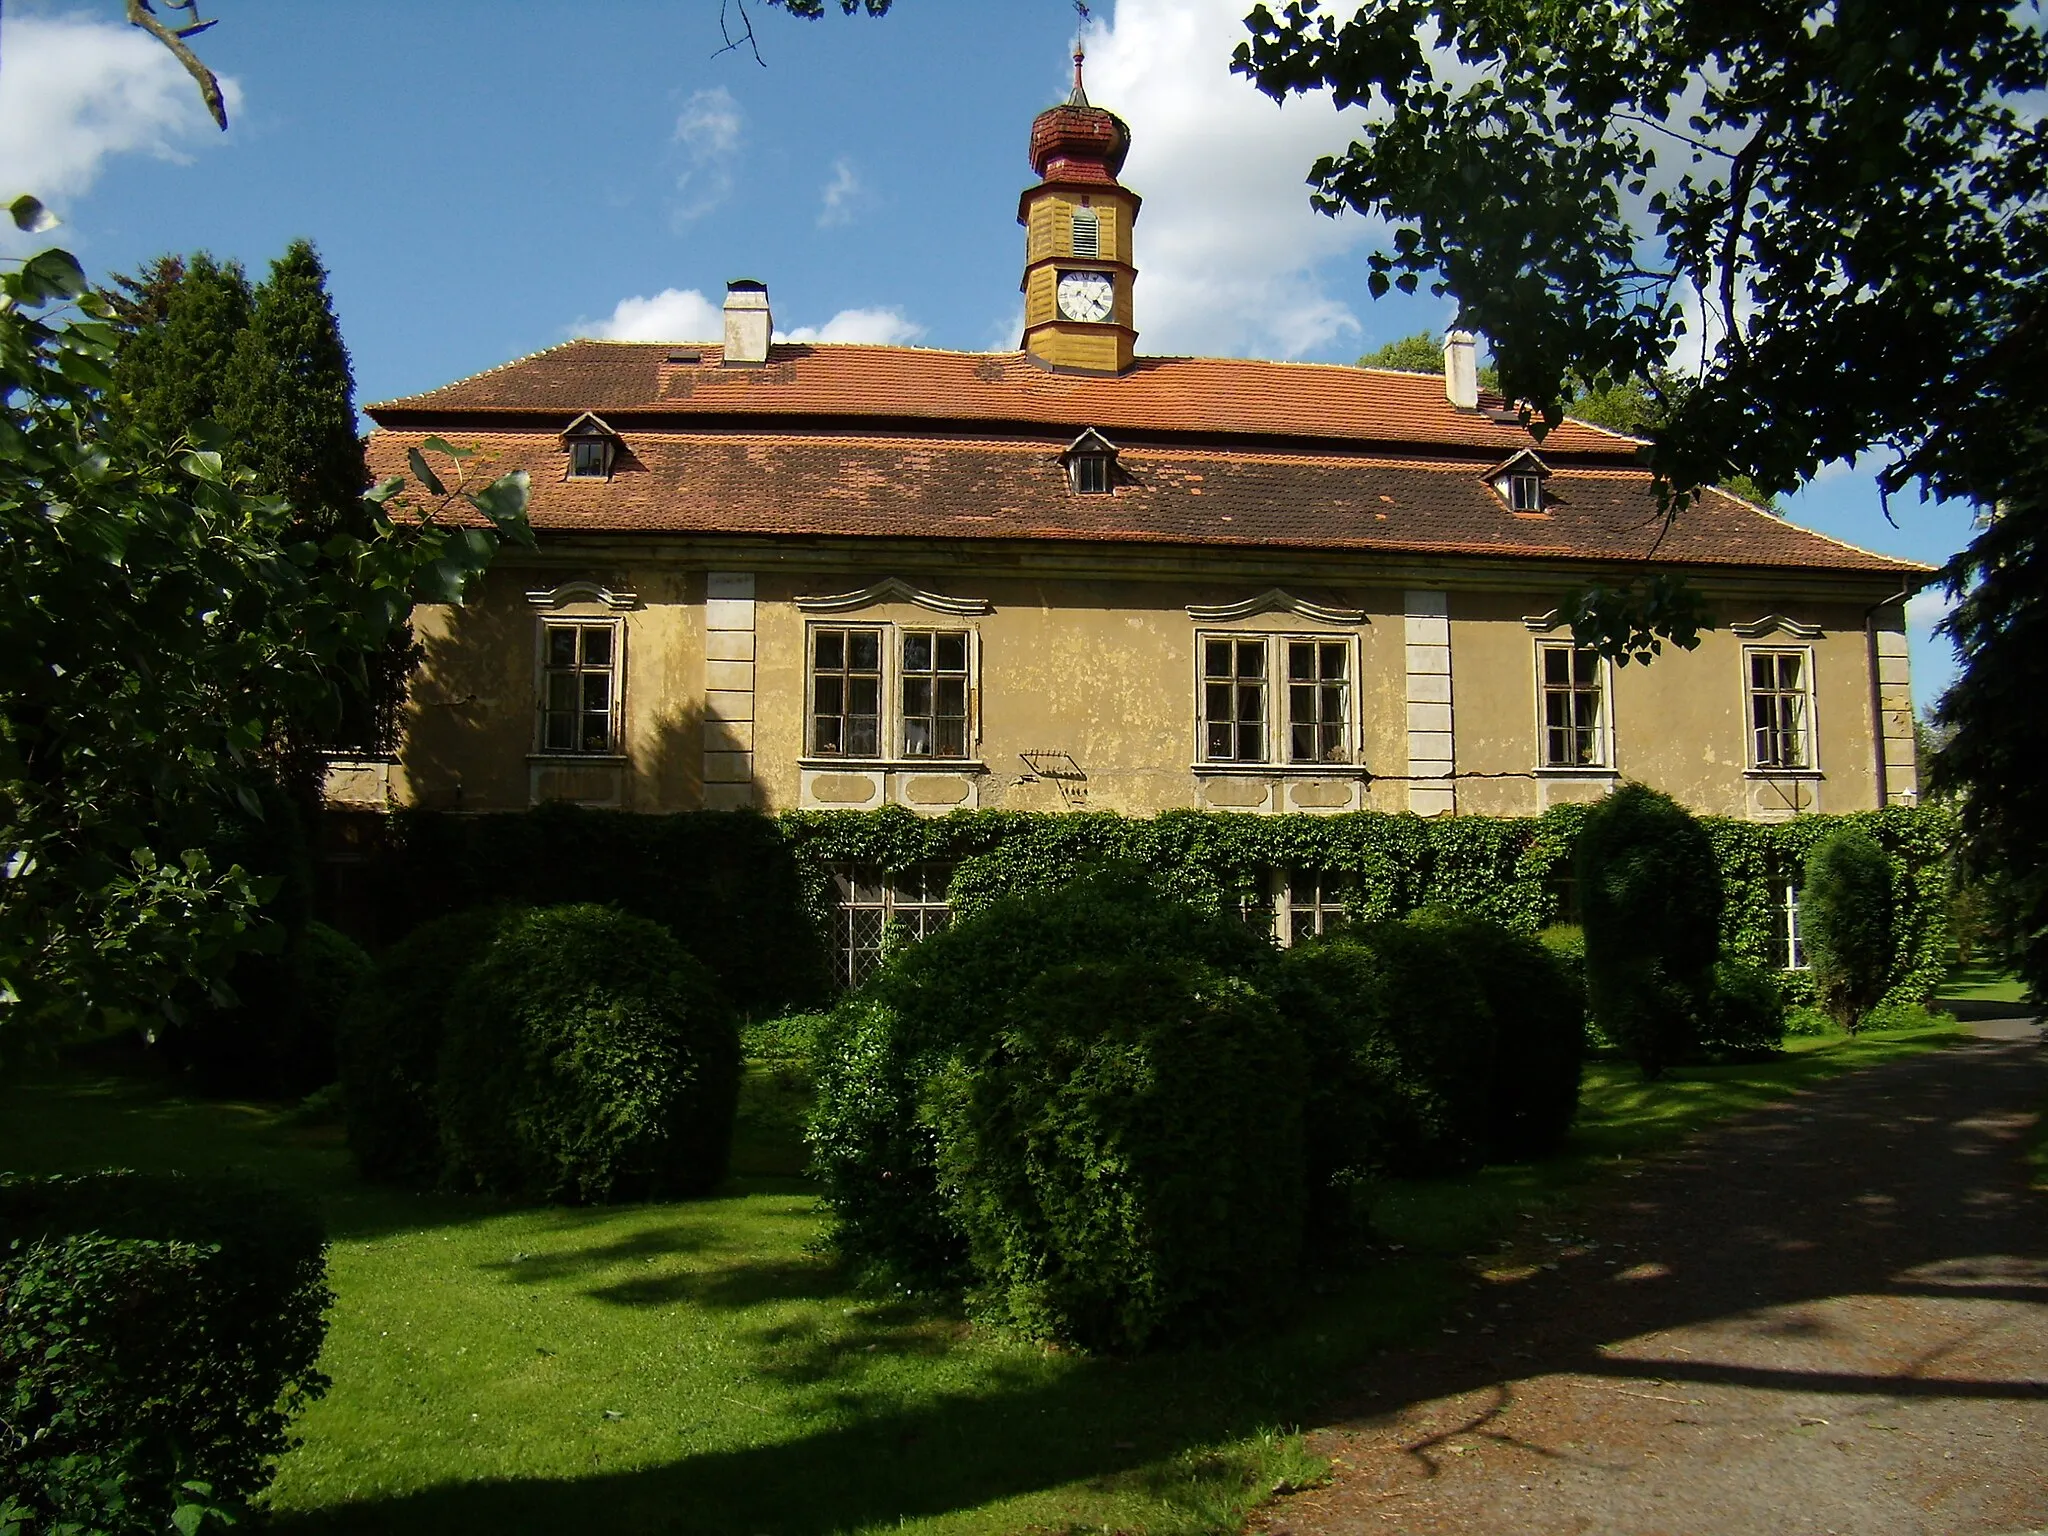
(1074,576)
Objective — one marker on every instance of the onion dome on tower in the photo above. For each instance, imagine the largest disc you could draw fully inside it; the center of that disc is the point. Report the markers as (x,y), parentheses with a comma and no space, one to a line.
(1078,272)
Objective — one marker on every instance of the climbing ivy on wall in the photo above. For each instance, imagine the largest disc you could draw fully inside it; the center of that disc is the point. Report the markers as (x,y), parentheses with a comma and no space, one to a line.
(754,897)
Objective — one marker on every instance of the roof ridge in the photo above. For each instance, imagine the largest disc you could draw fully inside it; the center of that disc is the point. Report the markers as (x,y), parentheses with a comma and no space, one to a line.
(469,378)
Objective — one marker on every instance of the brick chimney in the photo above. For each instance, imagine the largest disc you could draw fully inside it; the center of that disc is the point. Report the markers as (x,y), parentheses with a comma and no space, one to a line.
(748,324)
(1461,368)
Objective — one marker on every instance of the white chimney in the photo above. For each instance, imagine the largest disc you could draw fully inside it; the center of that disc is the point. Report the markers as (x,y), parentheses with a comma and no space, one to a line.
(1461,367)
(748,324)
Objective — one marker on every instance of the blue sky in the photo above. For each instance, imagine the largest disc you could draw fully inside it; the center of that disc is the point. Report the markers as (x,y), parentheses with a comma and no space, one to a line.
(484,180)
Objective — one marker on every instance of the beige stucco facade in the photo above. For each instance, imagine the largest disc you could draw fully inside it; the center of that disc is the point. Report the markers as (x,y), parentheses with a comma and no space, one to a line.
(1084,685)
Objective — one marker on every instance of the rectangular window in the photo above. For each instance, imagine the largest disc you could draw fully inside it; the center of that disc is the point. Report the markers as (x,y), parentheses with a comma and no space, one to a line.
(1780,709)
(1091,474)
(1318,701)
(1525,493)
(871,904)
(1791,946)
(934,685)
(579,692)
(1316,903)
(1574,723)
(846,692)
(1233,700)
(589,458)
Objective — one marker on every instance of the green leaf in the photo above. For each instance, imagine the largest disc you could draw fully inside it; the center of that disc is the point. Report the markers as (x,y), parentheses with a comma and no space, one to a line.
(442,445)
(384,490)
(51,274)
(203,466)
(424,473)
(30,216)
(504,501)
(189,1518)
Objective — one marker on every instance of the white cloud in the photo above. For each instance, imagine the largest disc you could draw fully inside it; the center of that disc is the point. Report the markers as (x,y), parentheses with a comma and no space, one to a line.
(1229,251)
(1927,608)
(841,194)
(685,314)
(75,92)
(674,314)
(708,135)
(887,327)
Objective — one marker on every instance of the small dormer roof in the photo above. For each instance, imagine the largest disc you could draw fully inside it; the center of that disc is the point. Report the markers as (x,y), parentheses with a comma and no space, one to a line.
(1090,441)
(589,424)
(1526,462)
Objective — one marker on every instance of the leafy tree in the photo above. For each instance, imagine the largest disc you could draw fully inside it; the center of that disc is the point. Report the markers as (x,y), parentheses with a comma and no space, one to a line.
(1841,208)
(162,622)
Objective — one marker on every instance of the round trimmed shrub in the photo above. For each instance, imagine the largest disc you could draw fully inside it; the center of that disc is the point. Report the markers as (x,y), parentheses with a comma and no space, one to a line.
(1845,919)
(1124,1155)
(388,1045)
(1650,894)
(156,1332)
(588,1058)
(1745,1014)
(1538,1025)
(873,1142)
(1367,1109)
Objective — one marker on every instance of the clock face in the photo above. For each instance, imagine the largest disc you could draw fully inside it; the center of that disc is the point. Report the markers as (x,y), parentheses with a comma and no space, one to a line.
(1086,295)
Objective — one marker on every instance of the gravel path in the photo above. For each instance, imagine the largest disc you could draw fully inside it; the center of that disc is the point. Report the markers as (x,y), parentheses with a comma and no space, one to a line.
(1831,1316)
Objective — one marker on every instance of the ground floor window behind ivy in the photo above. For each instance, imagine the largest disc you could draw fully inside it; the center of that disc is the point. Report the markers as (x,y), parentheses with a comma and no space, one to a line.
(1791,949)
(871,901)
(1316,903)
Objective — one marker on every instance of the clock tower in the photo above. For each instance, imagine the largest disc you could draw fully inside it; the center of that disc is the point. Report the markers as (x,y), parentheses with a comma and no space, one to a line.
(1077,239)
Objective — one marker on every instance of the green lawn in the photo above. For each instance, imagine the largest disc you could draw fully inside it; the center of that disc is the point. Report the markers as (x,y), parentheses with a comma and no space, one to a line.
(700,1367)
(1983,982)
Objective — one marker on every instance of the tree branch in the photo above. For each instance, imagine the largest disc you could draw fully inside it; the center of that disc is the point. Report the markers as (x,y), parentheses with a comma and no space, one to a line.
(732,44)
(140,15)
(1743,182)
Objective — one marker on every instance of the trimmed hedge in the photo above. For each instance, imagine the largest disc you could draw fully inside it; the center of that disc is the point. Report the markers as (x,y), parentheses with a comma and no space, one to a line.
(873,1142)
(158,1334)
(1744,1016)
(587,1058)
(1846,915)
(753,897)
(1124,1155)
(389,1046)
(1650,892)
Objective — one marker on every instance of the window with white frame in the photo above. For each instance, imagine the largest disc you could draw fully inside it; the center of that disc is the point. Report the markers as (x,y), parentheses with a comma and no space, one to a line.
(1780,689)
(1525,492)
(872,903)
(877,690)
(579,692)
(1791,944)
(1318,701)
(590,458)
(1317,902)
(1234,699)
(933,688)
(1571,683)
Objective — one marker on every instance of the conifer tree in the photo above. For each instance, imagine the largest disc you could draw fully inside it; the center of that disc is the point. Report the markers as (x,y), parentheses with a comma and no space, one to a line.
(288,395)
(182,319)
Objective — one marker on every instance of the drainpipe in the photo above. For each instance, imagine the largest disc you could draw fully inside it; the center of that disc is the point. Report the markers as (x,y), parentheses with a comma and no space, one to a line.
(1877,690)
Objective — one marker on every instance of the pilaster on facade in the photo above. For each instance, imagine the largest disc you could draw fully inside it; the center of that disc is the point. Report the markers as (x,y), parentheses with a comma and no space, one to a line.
(1899,746)
(728,690)
(1432,755)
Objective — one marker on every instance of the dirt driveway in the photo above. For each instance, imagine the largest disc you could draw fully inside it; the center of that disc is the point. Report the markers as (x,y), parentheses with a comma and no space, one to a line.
(1831,1316)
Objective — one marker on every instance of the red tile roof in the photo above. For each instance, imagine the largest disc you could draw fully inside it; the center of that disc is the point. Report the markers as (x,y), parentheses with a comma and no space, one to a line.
(836,484)
(1207,396)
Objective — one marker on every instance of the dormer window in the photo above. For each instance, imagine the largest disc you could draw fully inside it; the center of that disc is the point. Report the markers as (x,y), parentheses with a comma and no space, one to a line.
(592,446)
(1519,483)
(1087,233)
(1091,464)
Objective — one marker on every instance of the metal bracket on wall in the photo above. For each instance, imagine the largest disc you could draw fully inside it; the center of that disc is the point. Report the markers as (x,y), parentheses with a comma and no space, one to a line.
(1060,769)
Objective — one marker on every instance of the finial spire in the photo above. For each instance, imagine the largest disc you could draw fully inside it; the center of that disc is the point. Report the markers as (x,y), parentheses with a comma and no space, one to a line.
(1080,96)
